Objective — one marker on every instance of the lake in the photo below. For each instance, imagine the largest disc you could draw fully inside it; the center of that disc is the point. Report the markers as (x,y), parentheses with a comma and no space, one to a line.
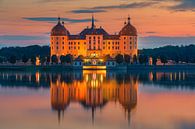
(97,100)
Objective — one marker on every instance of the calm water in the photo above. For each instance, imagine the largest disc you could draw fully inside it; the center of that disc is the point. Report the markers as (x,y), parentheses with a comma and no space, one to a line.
(97,100)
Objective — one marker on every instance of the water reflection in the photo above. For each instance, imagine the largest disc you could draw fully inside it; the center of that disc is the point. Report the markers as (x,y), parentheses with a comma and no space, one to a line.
(93,91)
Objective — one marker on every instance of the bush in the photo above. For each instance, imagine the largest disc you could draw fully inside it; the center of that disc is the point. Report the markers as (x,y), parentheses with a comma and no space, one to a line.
(119,58)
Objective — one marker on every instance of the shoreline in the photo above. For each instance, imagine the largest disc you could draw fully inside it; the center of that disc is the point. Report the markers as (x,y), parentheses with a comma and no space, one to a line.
(142,68)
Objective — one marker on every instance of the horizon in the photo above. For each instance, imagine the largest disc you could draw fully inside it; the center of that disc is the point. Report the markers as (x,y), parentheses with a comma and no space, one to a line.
(151,18)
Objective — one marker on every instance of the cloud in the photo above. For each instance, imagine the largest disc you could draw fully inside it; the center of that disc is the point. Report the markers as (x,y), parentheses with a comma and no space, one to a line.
(127,6)
(88,11)
(150,32)
(183,5)
(54,19)
(21,37)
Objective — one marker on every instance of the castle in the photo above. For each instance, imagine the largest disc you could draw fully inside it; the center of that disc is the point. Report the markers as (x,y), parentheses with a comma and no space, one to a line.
(93,42)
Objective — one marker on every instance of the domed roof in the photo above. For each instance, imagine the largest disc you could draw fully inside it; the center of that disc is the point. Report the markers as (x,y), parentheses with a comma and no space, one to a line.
(128,30)
(59,30)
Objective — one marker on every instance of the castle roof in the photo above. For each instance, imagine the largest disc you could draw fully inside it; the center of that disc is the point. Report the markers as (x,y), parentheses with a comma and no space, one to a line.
(128,30)
(59,30)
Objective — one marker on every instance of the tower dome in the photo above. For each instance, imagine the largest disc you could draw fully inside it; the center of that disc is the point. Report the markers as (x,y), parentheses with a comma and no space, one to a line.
(128,30)
(59,30)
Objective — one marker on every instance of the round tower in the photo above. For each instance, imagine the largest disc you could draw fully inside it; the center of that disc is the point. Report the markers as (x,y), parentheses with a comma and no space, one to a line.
(128,39)
(59,39)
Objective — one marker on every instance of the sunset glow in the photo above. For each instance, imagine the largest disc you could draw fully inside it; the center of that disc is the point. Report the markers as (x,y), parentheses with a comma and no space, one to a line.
(30,22)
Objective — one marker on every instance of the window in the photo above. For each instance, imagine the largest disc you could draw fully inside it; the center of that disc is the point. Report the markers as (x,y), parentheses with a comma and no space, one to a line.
(112,47)
(103,42)
(94,47)
(56,42)
(85,43)
(63,48)
(74,43)
(69,43)
(63,38)
(78,43)
(75,48)
(124,42)
(124,37)
(57,38)
(124,47)
(109,48)
(103,47)
(78,48)
(62,42)
(130,47)
(69,48)
(57,48)
(112,43)
(108,42)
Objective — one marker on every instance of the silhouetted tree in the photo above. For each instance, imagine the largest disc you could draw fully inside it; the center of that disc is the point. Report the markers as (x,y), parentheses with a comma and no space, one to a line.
(54,59)
(48,60)
(62,59)
(142,59)
(119,58)
(135,59)
(12,59)
(33,60)
(154,60)
(24,59)
(1,60)
(68,58)
(163,59)
(127,58)
(42,60)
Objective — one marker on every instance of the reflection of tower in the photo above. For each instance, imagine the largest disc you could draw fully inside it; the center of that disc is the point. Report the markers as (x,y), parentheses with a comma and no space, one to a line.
(128,96)
(59,97)
(94,96)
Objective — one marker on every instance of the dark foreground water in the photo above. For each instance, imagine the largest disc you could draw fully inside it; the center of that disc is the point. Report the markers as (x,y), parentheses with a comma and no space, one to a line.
(97,100)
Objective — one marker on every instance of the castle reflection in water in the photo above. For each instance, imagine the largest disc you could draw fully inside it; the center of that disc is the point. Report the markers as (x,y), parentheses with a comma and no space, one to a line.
(93,91)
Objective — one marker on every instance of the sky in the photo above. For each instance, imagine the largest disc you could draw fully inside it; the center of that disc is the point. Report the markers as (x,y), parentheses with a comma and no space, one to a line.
(158,22)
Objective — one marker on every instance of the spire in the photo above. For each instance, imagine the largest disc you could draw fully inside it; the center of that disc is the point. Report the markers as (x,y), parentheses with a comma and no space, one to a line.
(92,22)
(129,19)
(58,19)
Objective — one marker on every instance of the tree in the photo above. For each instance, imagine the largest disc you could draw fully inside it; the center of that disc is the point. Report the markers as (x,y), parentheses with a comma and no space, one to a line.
(54,59)
(68,58)
(62,59)
(106,57)
(42,60)
(163,59)
(48,60)
(154,60)
(1,60)
(119,58)
(127,58)
(135,59)
(12,59)
(33,60)
(80,57)
(142,59)
(24,59)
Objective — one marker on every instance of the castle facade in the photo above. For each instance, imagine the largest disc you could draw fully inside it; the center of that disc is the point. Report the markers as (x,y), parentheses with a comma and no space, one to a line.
(93,42)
